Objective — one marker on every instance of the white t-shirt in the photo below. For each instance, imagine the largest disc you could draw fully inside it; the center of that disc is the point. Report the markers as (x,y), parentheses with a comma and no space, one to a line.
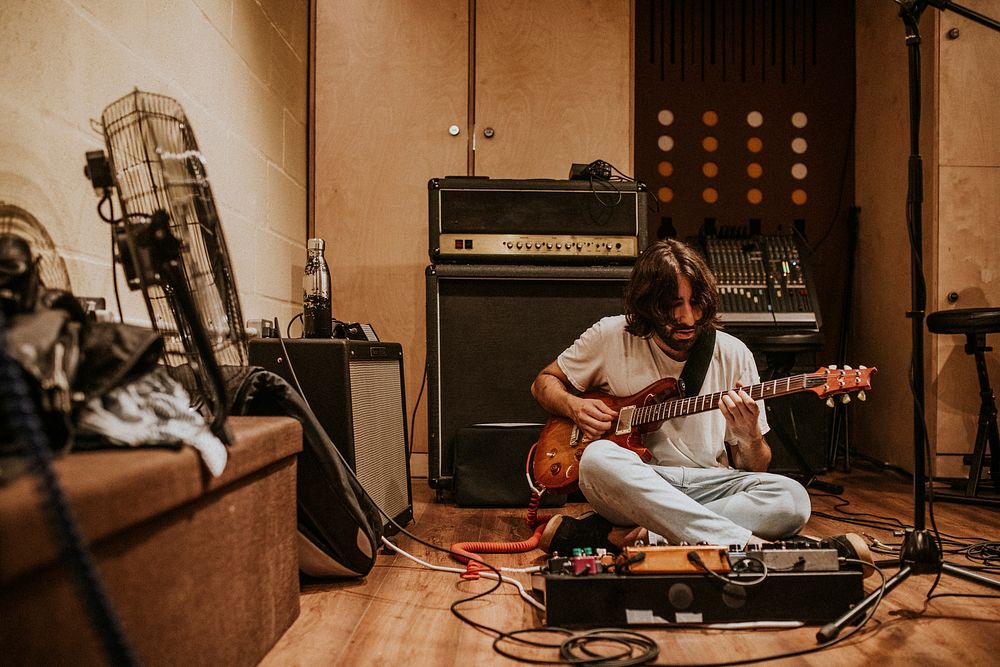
(606,358)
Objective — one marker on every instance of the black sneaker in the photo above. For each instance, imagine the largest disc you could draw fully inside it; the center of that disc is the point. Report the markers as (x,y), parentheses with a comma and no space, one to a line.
(564,533)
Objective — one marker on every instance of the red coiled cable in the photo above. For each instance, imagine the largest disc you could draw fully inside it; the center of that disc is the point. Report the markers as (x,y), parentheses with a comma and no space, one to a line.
(464,551)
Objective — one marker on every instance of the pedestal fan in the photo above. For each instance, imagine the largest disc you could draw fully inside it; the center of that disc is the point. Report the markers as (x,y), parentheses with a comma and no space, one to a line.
(171,245)
(170,242)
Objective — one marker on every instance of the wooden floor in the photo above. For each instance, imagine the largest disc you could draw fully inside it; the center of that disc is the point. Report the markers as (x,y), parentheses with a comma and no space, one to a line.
(399,614)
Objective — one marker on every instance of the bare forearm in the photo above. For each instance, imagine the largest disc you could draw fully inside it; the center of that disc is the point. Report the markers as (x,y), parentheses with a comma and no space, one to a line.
(552,395)
(553,392)
(754,456)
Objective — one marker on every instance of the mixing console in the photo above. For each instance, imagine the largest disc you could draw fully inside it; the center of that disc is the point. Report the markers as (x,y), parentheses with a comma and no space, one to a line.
(762,280)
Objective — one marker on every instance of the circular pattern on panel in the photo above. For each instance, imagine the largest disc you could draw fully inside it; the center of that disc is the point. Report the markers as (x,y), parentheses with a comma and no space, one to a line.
(755,164)
(665,142)
(799,146)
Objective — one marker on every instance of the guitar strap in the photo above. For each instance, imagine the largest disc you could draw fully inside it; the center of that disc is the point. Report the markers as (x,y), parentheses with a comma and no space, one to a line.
(696,367)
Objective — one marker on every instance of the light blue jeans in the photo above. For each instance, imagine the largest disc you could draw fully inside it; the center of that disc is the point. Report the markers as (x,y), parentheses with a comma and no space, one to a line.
(712,505)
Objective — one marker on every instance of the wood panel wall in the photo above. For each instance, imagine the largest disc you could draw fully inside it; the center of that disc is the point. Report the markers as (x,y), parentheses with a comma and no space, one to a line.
(960,147)
(966,221)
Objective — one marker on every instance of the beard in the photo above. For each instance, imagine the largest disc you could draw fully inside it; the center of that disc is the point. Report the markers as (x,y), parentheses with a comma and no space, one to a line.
(668,334)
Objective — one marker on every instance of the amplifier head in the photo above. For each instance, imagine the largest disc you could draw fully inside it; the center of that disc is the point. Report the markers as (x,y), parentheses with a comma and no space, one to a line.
(479,220)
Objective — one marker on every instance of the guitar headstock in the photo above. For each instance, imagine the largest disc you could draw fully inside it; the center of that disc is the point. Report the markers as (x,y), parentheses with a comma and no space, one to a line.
(832,381)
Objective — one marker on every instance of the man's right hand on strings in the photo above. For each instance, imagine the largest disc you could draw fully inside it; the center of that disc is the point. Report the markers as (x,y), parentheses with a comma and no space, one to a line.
(593,416)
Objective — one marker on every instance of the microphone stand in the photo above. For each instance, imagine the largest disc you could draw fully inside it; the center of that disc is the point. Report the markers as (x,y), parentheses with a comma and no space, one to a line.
(920,553)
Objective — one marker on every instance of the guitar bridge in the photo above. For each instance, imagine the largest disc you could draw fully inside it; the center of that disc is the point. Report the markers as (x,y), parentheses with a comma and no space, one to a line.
(624,426)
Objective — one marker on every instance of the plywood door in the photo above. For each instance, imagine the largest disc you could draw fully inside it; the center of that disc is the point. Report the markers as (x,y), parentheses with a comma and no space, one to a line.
(967,233)
(391,78)
(553,83)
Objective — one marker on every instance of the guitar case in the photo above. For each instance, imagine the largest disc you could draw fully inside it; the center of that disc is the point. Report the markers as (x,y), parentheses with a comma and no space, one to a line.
(340,526)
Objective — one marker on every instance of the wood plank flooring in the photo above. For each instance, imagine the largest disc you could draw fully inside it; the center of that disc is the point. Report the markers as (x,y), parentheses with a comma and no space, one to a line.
(399,614)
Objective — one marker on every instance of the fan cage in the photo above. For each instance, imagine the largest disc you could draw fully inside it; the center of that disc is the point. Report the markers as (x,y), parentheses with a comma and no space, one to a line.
(157,166)
(19,223)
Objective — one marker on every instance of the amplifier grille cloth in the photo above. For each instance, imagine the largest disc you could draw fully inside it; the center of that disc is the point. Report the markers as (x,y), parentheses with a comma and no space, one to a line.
(379,432)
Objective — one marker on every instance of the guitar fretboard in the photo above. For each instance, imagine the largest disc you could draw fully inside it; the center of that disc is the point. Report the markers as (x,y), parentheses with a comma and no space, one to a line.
(679,407)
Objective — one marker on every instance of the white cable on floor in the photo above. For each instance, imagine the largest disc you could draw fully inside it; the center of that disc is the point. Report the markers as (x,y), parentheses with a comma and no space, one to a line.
(483,573)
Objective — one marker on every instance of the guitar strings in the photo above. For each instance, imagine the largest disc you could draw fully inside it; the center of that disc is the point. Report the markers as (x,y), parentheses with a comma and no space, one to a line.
(683,406)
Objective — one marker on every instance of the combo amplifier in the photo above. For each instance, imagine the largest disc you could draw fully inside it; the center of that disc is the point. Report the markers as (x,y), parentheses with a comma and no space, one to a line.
(355,389)
(481,221)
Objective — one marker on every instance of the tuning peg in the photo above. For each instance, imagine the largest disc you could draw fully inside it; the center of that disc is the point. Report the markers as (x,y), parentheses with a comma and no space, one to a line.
(862,396)
(848,368)
(862,368)
(832,367)
(830,403)
(845,399)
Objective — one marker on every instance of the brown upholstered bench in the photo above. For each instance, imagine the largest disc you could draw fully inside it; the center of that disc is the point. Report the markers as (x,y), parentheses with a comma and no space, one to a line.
(199,570)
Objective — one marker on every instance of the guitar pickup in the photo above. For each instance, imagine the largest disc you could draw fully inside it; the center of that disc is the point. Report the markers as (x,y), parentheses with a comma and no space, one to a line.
(624,426)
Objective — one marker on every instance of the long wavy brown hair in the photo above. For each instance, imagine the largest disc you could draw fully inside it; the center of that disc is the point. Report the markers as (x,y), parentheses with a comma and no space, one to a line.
(652,288)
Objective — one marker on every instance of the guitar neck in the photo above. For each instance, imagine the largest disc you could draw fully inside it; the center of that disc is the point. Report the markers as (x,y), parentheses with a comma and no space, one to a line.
(679,407)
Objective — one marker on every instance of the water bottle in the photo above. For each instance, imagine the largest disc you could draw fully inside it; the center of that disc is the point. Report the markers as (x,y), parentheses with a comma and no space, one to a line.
(317,318)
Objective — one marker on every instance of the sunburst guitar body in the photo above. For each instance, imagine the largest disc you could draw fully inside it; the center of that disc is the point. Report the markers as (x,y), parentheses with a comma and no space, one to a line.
(555,463)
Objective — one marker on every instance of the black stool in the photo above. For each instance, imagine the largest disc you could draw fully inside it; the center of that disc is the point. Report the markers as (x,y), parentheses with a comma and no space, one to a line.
(780,350)
(975,323)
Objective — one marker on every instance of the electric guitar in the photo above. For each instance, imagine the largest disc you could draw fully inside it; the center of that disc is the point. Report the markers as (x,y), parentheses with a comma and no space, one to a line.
(556,455)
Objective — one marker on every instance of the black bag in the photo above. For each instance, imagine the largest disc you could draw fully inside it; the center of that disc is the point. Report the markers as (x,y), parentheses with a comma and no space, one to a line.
(490,465)
(65,360)
(340,527)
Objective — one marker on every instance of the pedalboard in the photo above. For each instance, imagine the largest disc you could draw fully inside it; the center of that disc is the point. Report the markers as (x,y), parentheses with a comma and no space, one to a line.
(797,580)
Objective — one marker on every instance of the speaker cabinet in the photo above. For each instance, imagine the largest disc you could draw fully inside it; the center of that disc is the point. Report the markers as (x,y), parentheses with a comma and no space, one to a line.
(490,330)
(355,389)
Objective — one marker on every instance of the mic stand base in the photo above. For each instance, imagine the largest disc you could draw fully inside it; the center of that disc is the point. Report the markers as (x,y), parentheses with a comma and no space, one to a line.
(919,555)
